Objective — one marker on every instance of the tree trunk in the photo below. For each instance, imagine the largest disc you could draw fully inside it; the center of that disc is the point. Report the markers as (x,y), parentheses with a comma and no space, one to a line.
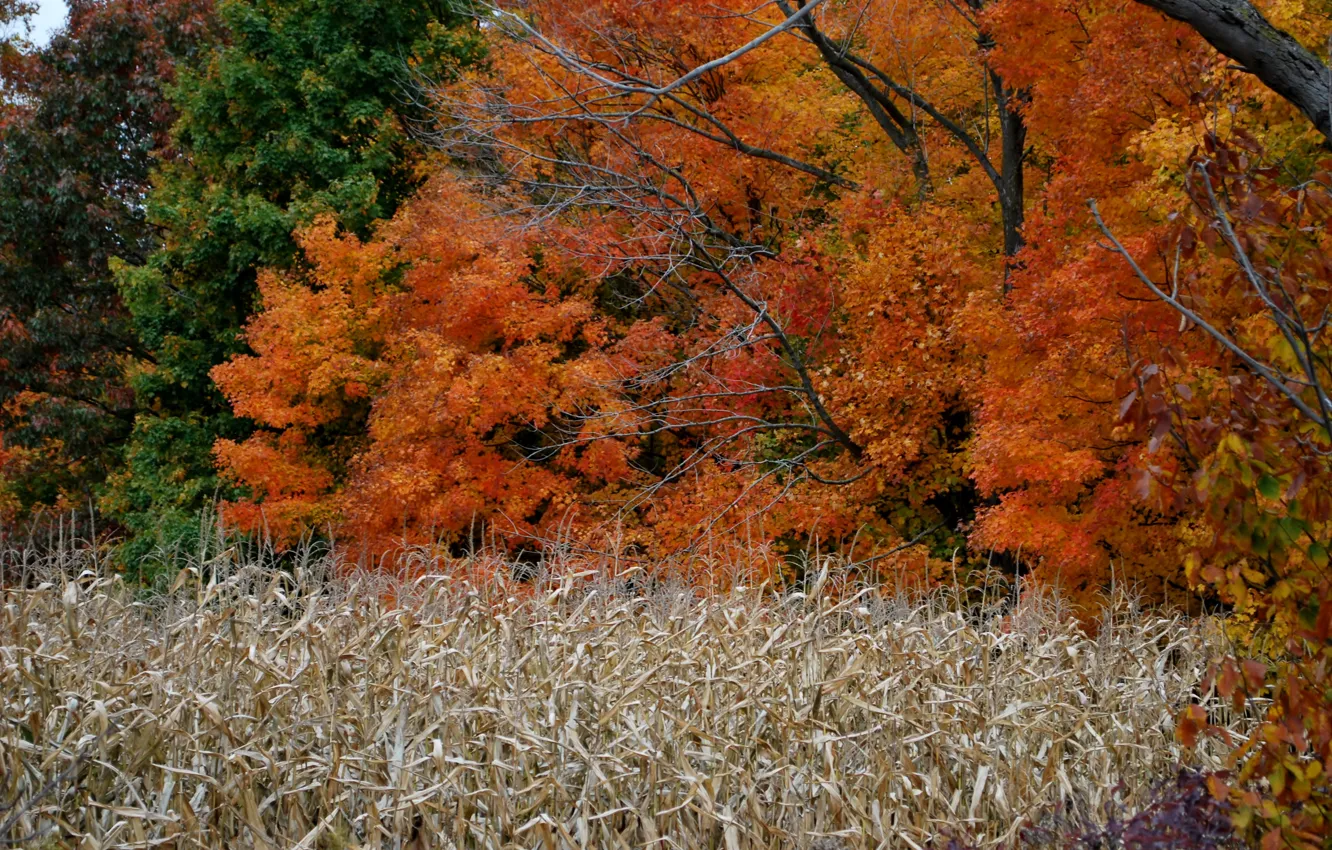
(1013,133)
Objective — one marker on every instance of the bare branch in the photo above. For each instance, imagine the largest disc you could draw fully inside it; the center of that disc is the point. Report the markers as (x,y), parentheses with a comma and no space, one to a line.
(1275,378)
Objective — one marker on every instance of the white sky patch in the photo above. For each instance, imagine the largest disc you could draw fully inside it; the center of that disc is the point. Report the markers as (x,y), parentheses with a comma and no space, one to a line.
(50,16)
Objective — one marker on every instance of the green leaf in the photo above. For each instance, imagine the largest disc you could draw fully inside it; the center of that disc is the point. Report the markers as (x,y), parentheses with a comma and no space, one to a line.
(1269,487)
(1309,614)
(1289,529)
(1259,543)
(1318,554)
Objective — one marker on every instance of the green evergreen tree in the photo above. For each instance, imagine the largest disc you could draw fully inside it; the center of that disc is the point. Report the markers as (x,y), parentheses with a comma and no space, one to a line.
(303,109)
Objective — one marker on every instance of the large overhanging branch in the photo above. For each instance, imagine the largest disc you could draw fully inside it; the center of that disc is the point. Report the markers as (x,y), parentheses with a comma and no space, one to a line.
(1238,30)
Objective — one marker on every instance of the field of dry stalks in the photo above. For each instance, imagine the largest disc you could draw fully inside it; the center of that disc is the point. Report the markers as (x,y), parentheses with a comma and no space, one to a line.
(262,710)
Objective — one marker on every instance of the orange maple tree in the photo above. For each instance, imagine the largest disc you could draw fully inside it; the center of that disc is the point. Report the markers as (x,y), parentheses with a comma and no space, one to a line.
(727,311)
(400,380)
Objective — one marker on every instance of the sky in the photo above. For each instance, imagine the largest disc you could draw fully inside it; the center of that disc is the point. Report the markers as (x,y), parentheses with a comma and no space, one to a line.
(50,17)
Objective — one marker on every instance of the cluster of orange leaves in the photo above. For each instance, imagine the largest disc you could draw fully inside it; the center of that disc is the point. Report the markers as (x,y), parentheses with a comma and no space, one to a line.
(394,375)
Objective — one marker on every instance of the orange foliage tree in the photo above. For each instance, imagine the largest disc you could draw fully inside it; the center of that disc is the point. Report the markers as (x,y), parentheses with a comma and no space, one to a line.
(1069,475)
(730,310)
(806,276)
(405,383)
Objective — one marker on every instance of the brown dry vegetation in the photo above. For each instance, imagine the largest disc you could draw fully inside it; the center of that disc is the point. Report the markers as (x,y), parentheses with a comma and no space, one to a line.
(258,708)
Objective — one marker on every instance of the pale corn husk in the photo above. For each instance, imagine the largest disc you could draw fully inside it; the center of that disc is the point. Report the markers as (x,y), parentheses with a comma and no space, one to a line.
(257,709)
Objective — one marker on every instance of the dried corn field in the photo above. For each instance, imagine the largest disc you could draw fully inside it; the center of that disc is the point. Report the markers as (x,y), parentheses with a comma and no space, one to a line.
(264,711)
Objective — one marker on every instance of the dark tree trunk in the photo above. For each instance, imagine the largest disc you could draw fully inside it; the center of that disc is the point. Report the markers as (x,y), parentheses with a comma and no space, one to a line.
(1013,133)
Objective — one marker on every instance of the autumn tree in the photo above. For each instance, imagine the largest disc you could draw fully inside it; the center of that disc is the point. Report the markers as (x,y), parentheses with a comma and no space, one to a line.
(581,131)
(740,269)
(14,26)
(841,115)
(463,345)
(1064,473)
(85,121)
(299,110)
